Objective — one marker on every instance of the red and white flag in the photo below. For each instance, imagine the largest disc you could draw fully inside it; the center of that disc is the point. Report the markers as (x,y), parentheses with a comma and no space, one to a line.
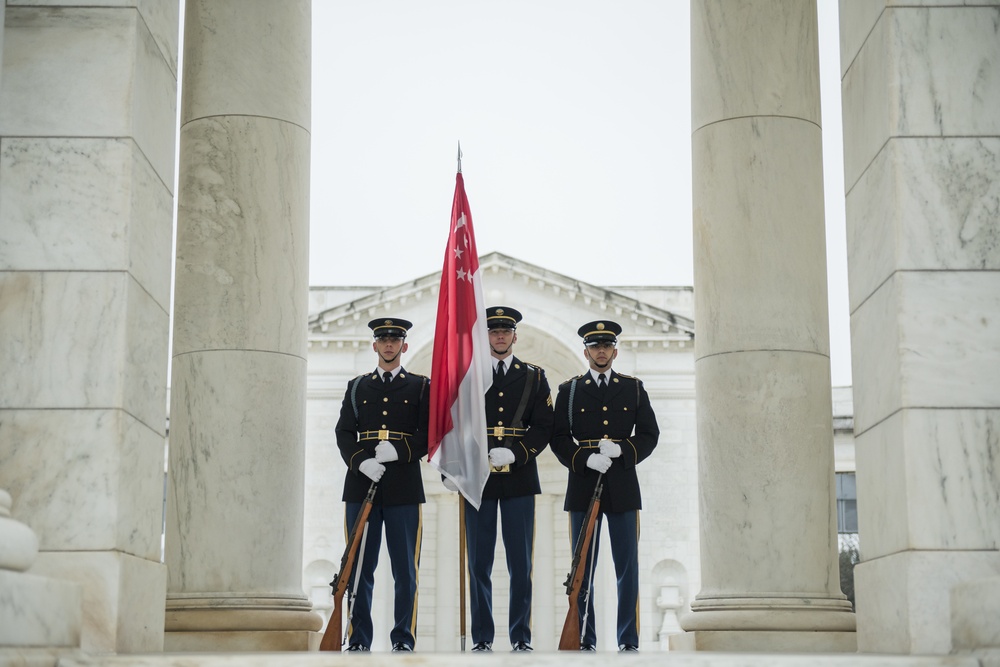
(461,368)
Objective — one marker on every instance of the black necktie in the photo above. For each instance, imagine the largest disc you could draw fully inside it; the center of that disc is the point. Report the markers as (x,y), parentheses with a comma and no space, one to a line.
(387,377)
(602,382)
(500,370)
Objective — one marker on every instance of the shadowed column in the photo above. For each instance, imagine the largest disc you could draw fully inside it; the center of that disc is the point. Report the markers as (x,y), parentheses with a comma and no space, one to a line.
(234,534)
(768,526)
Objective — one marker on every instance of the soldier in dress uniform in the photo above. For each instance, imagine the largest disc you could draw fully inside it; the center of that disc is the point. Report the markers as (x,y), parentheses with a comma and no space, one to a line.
(382,434)
(605,425)
(519,418)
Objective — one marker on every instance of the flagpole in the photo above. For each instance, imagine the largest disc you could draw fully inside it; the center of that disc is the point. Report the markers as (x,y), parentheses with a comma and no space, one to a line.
(460,157)
(461,568)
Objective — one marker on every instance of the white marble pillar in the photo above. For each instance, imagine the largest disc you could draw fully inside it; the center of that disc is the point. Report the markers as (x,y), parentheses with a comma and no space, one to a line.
(768,527)
(234,534)
(921,89)
(87,125)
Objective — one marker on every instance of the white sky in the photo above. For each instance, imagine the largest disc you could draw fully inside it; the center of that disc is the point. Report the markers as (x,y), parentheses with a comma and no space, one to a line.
(575,123)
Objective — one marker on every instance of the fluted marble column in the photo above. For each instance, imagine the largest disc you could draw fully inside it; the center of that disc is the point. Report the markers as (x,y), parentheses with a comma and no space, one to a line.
(87,118)
(234,540)
(768,527)
(921,89)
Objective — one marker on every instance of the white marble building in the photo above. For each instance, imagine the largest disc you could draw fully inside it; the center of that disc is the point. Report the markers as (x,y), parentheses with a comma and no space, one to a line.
(88,117)
(656,345)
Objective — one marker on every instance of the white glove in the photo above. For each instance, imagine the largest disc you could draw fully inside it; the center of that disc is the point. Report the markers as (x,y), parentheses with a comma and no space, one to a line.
(598,462)
(501,456)
(610,449)
(373,469)
(450,485)
(385,452)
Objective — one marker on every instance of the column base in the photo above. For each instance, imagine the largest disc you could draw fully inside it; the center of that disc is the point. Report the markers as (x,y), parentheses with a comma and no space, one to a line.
(765,641)
(287,625)
(235,641)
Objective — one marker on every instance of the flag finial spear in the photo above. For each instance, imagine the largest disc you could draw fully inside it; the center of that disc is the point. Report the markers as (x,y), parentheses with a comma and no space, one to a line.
(460,157)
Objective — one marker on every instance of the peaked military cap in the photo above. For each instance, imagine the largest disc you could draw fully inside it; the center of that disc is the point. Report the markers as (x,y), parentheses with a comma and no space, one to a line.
(502,317)
(389,326)
(599,331)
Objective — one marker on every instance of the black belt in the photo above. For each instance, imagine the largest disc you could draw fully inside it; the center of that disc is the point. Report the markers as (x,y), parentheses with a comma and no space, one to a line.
(383,434)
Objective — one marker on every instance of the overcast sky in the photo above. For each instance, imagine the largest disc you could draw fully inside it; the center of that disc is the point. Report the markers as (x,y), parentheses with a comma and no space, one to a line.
(575,123)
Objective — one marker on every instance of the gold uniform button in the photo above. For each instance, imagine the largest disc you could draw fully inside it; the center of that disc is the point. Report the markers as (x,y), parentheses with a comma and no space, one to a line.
(385,400)
(384,426)
(385,412)
(626,409)
(500,394)
(499,423)
(500,409)
(605,408)
(605,422)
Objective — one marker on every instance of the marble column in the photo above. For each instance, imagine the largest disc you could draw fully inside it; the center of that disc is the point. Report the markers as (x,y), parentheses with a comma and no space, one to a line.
(768,527)
(87,126)
(921,89)
(236,466)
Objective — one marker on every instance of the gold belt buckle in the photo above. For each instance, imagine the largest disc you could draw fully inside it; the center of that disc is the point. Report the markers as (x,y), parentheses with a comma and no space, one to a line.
(503,468)
(383,434)
(498,431)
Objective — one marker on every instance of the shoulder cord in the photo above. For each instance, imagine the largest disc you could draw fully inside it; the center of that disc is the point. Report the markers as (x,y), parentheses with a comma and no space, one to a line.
(354,396)
(569,407)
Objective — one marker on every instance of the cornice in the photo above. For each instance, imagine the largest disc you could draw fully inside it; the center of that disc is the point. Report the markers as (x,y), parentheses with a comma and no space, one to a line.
(670,327)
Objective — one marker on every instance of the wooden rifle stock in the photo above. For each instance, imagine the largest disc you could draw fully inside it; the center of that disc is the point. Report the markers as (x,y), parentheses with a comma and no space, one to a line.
(333,637)
(570,638)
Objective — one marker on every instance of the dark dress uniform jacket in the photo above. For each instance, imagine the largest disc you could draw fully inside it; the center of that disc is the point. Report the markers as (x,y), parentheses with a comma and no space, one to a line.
(624,415)
(502,400)
(402,407)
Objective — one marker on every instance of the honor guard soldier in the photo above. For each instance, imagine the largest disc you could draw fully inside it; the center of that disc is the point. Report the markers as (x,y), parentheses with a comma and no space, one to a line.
(519,420)
(605,425)
(382,434)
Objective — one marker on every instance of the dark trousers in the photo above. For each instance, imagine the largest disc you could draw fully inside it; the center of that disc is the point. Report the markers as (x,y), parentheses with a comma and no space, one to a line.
(623,529)
(402,540)
(517,521)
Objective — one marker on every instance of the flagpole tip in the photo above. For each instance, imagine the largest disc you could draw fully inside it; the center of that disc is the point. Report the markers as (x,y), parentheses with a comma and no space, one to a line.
(460,157)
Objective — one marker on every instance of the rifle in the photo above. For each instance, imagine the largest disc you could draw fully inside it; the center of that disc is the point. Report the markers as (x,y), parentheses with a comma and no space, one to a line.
(332,639)
(570,639)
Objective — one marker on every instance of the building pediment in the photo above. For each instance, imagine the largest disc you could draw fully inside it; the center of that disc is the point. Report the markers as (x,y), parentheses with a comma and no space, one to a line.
(510,281)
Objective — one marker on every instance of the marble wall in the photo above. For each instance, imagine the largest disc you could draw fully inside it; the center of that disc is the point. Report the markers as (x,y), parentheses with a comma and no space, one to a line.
(86,172)
(921,85)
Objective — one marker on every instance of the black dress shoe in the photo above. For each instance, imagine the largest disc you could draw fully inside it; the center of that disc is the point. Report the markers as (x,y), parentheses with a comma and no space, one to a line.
(520,647)
(400,647)
(483,647)
(357,647)
(628,648)
(588,647)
